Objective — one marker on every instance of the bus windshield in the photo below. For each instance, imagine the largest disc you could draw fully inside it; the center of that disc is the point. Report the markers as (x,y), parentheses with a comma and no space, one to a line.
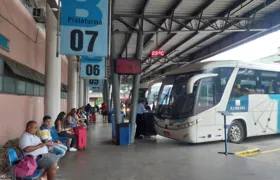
(175,103)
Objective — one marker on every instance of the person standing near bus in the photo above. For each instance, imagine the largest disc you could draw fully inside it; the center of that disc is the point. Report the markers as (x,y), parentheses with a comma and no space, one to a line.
(139,118)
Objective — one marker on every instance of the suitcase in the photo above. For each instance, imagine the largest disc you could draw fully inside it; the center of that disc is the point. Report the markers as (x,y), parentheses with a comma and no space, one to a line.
(93,117)
(81,133)
(148,124)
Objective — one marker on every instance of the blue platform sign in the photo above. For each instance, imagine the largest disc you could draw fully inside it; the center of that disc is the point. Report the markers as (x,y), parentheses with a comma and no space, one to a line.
(84,27)
(94,83)
(96,89)
(92,67)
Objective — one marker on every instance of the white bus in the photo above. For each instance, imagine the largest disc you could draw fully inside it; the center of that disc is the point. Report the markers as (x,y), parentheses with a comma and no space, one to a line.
(191,98)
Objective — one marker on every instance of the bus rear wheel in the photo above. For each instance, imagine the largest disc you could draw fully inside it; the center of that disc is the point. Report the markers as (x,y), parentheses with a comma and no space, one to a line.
(236,132)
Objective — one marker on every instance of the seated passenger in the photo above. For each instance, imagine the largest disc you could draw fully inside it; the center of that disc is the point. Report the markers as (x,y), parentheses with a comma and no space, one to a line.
(81,117)
(31,144)
(55,146)
(65,132)
(71,120)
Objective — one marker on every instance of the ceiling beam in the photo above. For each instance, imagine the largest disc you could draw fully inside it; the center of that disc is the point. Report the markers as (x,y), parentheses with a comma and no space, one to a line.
(195,13)
(168,13)
(126,24)
(233,40)
(153,23)
(223,13)
(141,11)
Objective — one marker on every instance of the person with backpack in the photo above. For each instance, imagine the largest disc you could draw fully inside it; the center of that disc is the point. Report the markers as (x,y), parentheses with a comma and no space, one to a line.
(31,144)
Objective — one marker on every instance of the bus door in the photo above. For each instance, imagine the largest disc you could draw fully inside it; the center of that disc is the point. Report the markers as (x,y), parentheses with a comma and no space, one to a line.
(205,110)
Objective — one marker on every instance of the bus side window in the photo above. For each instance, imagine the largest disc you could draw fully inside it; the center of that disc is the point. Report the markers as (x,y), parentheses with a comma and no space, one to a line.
(270,81)
(245,83)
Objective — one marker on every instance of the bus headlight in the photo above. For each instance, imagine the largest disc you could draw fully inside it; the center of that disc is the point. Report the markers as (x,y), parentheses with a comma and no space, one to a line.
(192,123)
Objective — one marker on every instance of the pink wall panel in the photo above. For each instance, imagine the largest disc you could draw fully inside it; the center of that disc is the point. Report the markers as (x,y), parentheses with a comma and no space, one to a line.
(15,115)
(27,46)
(27,40)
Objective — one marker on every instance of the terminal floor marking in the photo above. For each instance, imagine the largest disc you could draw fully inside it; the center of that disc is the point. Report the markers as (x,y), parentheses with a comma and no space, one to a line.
(270,151)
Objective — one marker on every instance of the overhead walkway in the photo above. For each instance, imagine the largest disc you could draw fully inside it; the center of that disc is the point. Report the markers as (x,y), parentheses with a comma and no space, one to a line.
(157,159)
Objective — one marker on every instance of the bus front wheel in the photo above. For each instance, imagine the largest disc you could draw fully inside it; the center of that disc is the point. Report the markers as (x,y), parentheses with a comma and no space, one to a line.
(236,132)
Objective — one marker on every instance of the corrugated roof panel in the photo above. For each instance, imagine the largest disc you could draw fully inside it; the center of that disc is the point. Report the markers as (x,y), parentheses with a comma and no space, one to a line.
(159,6)
(246,8)
(150,27)
(187,7)
(120,26)
(271,8)
(176,39)
(131,47)
(192,41)
(217,6)
(132,6)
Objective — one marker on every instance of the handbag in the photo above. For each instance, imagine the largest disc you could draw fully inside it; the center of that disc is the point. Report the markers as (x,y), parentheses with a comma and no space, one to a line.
(25,166)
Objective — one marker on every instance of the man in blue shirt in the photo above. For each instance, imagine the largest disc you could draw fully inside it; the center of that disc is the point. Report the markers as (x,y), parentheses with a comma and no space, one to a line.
(139,118)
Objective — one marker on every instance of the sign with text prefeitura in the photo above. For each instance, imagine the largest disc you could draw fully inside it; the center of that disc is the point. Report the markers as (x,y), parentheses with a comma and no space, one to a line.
(92,67)
(94,83)
(84,27)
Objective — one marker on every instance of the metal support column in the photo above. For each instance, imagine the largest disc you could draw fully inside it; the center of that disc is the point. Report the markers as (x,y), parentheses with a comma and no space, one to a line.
(111,96)
(52,67)
(86,94)
(107,91)
(115,84)
(72,83)
(81,92)
(135,88)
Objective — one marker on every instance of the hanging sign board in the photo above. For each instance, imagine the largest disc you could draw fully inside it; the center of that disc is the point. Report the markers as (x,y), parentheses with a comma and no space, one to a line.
(94,83)
(96,89)
(84,27)
(128,66)
(92,67)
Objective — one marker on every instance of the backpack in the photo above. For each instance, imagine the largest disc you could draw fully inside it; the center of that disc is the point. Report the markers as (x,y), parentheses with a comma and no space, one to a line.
(25,166)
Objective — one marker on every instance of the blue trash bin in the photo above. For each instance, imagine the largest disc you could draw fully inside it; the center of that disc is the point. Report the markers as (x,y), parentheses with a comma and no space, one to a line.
(123,134)
(119,131)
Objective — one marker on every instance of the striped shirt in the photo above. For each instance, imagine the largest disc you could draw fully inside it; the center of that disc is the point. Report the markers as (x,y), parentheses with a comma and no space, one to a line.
(45,133)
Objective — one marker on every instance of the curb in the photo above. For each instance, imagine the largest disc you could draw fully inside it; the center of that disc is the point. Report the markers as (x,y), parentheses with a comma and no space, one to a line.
(249,152)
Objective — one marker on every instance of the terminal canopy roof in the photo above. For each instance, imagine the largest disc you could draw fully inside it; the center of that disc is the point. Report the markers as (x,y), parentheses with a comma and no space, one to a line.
(187,30)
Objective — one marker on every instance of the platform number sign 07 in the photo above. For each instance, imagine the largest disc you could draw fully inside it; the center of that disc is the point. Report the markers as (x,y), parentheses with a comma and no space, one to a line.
(84,27)
(77,40)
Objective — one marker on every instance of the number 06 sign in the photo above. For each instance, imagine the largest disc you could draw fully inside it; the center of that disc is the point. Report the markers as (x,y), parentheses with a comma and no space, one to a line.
(84,27)
(93,68)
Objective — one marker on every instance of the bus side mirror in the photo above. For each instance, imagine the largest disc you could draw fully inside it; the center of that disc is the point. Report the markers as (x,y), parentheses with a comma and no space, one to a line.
(195,78)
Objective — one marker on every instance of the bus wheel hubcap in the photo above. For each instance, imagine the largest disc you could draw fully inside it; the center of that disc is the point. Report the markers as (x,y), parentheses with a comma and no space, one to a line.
(235,133)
